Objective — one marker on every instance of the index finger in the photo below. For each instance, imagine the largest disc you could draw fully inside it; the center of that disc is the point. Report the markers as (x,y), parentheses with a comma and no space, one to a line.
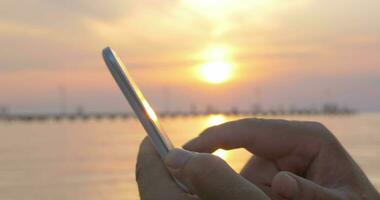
(266,138)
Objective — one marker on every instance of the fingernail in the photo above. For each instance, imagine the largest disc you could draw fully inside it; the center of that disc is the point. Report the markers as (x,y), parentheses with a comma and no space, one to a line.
(177,158)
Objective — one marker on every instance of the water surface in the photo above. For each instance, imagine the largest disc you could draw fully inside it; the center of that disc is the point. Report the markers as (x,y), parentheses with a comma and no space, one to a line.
(95,160)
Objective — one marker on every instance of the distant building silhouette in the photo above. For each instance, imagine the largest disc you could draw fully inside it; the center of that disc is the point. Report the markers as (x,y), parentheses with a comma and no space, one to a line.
(4,111)
(257,108)
(234,110)
(210,109)
(193,109)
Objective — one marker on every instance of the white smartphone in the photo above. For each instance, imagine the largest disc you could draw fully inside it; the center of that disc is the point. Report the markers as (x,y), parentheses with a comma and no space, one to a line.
(140,105)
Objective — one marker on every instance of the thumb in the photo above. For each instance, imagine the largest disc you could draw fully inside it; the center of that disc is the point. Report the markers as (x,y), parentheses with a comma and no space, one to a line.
(286,185)
(209,177)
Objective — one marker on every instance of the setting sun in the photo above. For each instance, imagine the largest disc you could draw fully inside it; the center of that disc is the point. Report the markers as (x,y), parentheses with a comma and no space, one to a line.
(216,72)
(217,67)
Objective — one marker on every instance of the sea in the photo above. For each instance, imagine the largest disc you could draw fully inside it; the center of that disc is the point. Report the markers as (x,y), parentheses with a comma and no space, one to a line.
(95,159)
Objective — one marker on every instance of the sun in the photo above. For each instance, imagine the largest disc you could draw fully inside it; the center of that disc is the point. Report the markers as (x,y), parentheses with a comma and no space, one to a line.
(217,68)
(216,72)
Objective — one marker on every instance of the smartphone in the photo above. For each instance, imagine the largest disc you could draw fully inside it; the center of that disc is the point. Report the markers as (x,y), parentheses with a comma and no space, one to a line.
(140,105)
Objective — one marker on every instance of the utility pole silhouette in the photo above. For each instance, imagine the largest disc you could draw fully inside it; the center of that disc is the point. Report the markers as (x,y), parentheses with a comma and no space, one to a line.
(193,109)
(4,111)
(80,110)
(257,108)
(167,98)
(330,106)
(328,95)
(62,98)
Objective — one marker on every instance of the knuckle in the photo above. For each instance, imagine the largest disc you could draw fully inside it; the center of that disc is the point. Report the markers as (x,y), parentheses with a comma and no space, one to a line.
(317,127)
(320,131)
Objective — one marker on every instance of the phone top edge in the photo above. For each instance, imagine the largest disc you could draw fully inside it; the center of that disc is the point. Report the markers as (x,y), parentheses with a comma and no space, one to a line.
(107,51)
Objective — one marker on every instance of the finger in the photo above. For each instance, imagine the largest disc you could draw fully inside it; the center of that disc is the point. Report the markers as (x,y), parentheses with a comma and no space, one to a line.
(153,178)
(260,172)
(289,186)
(265,138)
(209,177)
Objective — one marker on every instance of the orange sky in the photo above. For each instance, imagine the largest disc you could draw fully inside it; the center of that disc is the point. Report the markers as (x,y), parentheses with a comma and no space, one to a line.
(293,52)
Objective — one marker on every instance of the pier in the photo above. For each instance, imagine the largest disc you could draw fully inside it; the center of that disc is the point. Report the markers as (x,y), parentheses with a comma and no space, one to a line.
(126,115)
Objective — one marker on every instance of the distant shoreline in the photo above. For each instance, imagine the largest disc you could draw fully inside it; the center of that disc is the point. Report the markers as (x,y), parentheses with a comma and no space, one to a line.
(125,115)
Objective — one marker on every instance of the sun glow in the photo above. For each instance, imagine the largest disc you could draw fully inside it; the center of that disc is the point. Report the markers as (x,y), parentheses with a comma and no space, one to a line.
(216,72)
(208,4)
(216,69)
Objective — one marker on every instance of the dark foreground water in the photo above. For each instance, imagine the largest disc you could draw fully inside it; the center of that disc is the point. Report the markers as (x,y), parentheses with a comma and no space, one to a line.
(95,160)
